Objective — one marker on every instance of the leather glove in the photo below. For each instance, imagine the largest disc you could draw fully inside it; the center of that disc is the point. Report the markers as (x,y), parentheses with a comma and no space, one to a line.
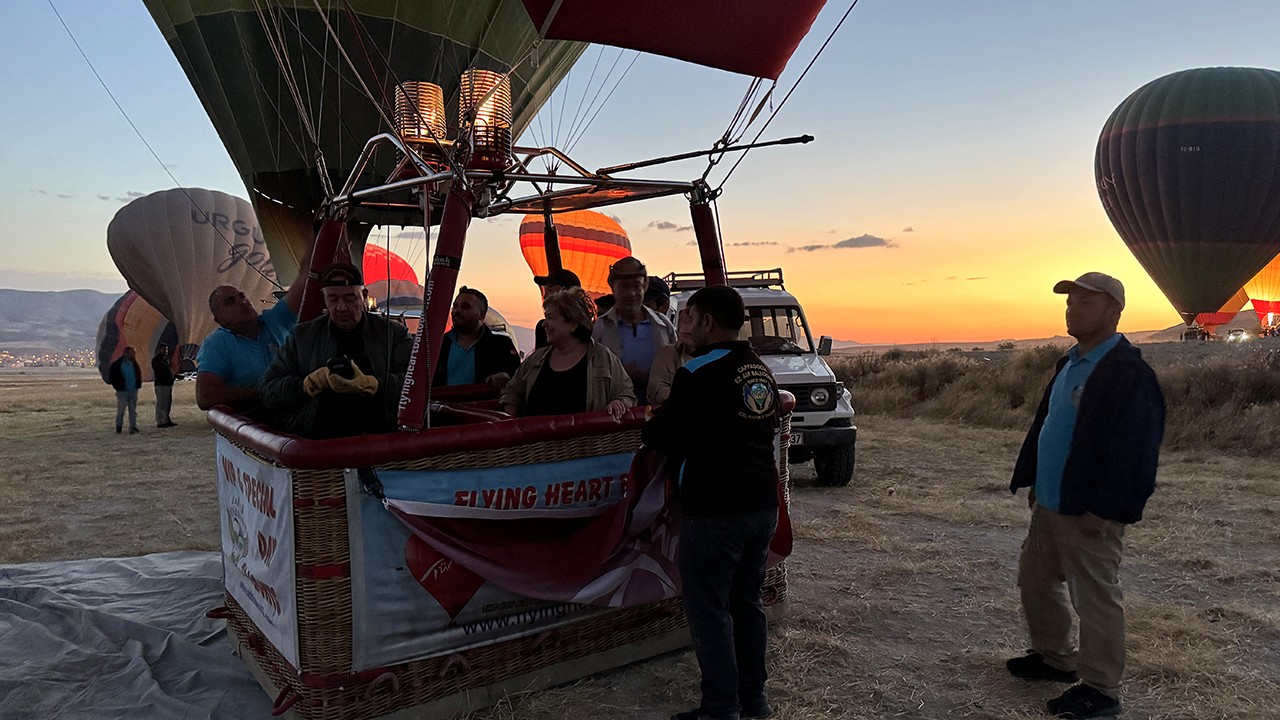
(360,384)
(317,382)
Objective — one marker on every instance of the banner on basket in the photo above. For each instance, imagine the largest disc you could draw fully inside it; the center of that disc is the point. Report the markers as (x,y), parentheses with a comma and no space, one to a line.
(255,505)
(412,598)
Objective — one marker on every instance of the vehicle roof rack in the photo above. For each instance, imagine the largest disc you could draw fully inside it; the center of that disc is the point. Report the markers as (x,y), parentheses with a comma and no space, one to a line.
(740,279)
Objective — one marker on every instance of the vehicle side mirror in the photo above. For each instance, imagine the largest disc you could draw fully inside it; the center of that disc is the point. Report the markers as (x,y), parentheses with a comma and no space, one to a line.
(824,345)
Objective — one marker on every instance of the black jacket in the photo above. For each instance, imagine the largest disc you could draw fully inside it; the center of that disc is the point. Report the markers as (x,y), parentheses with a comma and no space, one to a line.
(115,374)
(161,371)
(1111,465)
(494,354)
(720,419)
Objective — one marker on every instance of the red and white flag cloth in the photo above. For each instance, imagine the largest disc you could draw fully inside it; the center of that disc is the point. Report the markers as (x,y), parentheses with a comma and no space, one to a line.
(620,554)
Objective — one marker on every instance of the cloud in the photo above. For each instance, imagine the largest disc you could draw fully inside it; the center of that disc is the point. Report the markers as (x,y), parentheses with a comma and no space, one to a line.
(38,191)
(832,231)
(753,244)
(668,225)
(808,248)
(908,229)
(616,219)
(64,196)
(976,278)
(865,241)
(104,197)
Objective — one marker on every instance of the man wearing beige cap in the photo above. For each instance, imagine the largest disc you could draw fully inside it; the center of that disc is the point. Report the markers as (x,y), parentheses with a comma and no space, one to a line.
(632,331)
(1090,460)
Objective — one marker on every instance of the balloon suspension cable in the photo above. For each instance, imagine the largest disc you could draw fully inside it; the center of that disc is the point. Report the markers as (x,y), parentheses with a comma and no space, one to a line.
(237,253)
(337,42)
(786,97)
(612,169)
(275,40)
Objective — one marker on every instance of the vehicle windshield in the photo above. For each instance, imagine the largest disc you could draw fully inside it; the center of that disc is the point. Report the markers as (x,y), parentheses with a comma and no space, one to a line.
(777,331)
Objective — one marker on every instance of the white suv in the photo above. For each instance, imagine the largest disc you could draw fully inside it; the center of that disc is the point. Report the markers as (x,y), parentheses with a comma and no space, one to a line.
(822,426)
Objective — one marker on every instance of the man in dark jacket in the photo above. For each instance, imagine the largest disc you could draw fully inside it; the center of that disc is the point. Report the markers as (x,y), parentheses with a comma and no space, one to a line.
(720,419)
(339,374)
(162,378)
(126,377)
(471,352)
(1090,460)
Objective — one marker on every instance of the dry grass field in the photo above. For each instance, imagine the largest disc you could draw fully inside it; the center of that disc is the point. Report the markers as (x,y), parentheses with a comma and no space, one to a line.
(902,598)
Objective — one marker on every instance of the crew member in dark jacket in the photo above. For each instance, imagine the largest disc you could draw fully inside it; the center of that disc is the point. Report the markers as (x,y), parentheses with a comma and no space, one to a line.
(126,377)
(1090,460)
(339,374)
(471,352)
(720,419)
(162,378)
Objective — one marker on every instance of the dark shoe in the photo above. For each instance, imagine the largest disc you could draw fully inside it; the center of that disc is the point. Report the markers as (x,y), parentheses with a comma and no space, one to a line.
(757,712)
(1082,701)
(1033,667)
(118,429)
(134,431)
(171,424)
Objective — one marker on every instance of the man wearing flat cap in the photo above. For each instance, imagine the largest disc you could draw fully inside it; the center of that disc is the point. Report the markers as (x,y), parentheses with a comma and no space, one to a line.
(555,281)
(632,331)
(1090,461)
(339,374)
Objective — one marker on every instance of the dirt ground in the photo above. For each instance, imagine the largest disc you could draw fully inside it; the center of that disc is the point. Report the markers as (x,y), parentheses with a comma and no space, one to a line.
(902,599)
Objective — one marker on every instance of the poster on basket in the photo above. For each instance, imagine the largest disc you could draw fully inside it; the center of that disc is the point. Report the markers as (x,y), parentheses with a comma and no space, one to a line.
(411,601)
(255,505)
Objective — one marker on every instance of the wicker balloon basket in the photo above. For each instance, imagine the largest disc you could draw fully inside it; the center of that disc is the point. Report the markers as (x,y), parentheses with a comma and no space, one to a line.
(317,678)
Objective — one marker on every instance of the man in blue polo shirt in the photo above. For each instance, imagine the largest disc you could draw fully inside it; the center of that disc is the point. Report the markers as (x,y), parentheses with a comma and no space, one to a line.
(1090,460)
(632,331)
(234,357)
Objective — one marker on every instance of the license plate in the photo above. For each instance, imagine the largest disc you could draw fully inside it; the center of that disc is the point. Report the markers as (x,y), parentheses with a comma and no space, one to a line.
(797,438)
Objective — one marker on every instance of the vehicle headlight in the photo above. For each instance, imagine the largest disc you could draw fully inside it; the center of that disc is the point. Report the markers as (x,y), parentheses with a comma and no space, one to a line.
(820,396)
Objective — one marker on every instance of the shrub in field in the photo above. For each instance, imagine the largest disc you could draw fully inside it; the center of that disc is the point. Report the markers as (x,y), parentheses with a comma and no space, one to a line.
(1227,402)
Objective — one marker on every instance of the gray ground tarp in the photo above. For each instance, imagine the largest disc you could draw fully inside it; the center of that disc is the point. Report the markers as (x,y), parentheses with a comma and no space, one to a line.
(120,638)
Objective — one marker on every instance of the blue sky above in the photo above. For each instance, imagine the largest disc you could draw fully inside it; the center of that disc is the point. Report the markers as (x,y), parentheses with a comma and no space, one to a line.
(959,134)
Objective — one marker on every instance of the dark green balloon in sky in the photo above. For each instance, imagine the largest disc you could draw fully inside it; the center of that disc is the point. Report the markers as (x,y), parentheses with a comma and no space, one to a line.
(1188,169)
(234,63)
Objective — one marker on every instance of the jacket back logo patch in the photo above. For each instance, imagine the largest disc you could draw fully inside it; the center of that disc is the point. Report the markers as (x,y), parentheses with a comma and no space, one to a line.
(758,397)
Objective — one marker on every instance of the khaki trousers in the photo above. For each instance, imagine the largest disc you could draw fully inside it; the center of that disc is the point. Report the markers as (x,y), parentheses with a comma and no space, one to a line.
(1065,566)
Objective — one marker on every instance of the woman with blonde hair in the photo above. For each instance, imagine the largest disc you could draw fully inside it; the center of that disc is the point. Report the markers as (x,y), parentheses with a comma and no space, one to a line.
(573,373)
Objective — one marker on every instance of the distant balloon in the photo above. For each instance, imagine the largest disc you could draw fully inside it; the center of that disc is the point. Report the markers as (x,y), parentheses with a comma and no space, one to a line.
(174,247)
(399,294)
(132,322)
(589,243)
(383,264)
(1210,322)
(1264,292)
(1188,169)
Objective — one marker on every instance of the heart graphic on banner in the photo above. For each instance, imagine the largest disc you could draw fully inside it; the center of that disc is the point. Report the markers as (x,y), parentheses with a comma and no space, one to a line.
(449,583)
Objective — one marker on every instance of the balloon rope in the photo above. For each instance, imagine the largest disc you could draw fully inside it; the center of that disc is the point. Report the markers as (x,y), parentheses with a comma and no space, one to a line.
(778,109)
(574,141)
(151,150)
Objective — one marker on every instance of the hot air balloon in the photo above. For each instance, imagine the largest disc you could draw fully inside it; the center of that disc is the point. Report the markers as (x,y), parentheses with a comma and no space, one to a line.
(132,322)
(589,243)
(1188,169)
(1210,322)
(295,134)
(399,294)
(174,247)
(381,264)
(1264,292)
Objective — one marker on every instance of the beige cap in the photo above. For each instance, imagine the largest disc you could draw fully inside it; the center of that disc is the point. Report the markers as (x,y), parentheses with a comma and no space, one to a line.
(1093,282)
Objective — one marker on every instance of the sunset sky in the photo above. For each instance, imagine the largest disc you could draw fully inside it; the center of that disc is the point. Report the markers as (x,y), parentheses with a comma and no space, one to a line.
(954,156)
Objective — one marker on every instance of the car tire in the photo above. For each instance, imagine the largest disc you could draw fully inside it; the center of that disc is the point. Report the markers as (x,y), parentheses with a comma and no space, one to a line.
(834,465)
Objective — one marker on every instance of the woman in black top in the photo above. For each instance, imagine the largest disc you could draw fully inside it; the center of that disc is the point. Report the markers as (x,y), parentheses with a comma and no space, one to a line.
(572,374)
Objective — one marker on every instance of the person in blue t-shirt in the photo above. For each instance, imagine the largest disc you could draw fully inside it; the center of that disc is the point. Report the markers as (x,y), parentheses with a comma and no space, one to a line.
(471,352)
(1090,459)
(235,356)
(126,377)
(632,331)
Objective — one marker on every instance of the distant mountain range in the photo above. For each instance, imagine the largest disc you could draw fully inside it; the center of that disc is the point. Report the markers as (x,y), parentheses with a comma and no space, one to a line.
(42,321)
